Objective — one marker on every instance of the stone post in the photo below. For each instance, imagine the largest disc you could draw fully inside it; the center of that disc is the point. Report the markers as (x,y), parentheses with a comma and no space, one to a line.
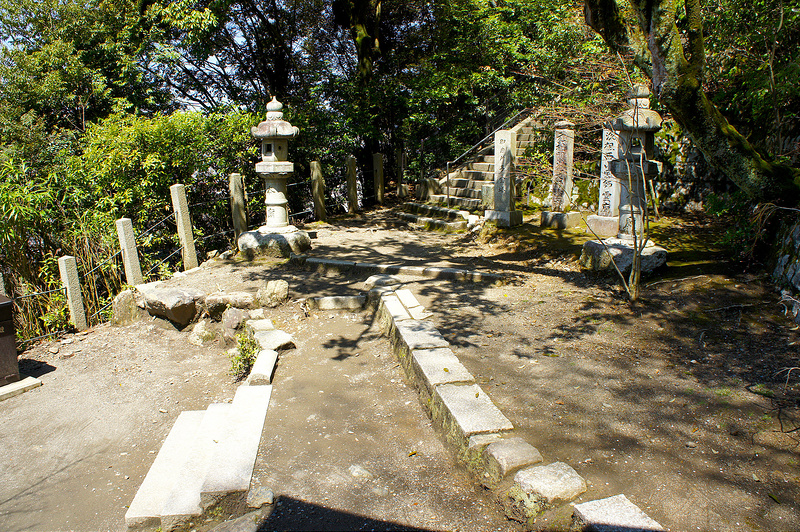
(504,212)
(559,215)
(606,221)
(402,190)
(377,176)
(352,186)
(318,192)
(68,268)
(130,255)
(184,222)
(238,204)
(561,190)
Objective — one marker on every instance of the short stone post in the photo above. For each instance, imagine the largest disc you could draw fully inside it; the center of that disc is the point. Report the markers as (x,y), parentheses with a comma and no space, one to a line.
(559,215)
(377,176)
(238,204)
(184,221)
(352,185)
(318,192)
(504,212)
(402,190)
(606,221)
(68,268)
(130,255)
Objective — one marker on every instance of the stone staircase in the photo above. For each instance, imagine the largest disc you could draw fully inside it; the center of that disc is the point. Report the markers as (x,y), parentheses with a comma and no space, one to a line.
(467,180)
(206,460)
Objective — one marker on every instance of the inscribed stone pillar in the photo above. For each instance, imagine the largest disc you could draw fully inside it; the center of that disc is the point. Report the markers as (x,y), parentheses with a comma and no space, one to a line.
(377,176)
(238,204)
(318,192)
(130,255)
(352,185)
(184,222)
(608,200)
(68,269)
(503,211)
(561,190)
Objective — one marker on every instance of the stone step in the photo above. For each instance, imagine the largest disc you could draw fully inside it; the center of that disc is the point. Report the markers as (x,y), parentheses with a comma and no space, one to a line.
(145,510)
(228,477)
(477,175)
(480,167)
(467,203)
(463,192)
(183,502)
(433,211)
(467,183)
(432,223)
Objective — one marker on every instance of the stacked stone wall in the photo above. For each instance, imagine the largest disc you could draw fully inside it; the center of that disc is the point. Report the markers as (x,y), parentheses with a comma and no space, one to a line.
(786,274)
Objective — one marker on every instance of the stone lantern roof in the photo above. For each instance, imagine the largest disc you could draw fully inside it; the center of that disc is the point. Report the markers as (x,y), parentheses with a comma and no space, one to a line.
(274,126)
(639,117)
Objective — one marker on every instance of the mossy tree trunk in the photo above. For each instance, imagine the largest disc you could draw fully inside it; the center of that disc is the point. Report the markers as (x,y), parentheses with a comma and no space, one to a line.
(674,58)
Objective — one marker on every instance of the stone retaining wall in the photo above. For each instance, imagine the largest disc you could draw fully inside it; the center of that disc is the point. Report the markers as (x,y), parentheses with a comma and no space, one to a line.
(787,269)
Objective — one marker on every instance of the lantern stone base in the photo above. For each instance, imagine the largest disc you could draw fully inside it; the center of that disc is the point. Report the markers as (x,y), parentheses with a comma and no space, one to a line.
(598,255)
(560,220)
(273,242)
(504,218)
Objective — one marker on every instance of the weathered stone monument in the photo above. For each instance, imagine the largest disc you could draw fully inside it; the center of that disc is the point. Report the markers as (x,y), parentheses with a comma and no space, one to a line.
(276,237)
(503,211)
(559,216)
(632,167)
(606,221)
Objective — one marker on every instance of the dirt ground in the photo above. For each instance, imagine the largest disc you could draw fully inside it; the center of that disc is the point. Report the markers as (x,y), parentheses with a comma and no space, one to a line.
(676,401)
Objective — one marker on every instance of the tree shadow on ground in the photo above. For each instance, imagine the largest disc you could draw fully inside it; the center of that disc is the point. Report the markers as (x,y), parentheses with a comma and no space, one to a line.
(294,514)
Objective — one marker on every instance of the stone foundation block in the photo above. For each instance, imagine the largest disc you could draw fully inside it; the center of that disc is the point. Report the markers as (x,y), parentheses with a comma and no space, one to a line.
(276,340)
(504,218)
(538,488)
(614,514)
(381,280)
(337,302)
(506,456)
(560,220)
(255,243)
(465,410)
(600,255)
(603,225)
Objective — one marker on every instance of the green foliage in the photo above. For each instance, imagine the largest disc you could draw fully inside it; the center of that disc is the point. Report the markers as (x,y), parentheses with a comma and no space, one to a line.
(245,357)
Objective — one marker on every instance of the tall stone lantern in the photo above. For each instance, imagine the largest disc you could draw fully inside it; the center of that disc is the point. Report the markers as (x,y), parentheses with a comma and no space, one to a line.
(276,237)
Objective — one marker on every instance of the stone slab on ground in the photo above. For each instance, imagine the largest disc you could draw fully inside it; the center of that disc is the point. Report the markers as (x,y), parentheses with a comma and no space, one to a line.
(614,514)
(417,334)
(183,502)
(16,388)
(433,367)
(234,458)
(598,255)
(407,298)
(275,340)
(381,280)
(263,368)
(391,311)
(251,327)
(538,488)
(177,305)
(464,410)
(560,220)
(507,455)
(145,510)
(337,302)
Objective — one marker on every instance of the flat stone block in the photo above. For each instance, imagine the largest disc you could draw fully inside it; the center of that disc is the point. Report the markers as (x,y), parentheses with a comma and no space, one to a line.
(603,225)
(446,273)
(276,340)
(614,514)
(337,302)
(464,410)
(419,313)
(407,298)
(600,255)
(560,220)
(263,368)
(438,366)
(379,280)
(507,455)
(417,271)
(416,334)
(253,326)
(538,488)
(16,388)
(391,311)
(333,263)
(504,218)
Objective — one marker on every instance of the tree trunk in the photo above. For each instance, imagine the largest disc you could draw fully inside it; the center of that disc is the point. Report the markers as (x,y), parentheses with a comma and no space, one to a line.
(677,74)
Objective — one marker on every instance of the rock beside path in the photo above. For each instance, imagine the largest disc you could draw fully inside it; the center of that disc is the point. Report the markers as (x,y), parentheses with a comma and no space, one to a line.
(178,305)
(601,255)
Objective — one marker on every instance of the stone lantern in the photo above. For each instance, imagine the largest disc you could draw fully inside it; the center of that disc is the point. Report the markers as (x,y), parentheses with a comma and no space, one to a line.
(634,164)
(276,236)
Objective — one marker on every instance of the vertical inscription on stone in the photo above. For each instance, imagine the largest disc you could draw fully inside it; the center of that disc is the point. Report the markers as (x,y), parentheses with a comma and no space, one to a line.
(609,185)
(562,166)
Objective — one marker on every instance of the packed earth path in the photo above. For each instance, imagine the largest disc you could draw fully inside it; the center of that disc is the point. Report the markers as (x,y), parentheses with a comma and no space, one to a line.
(676,401)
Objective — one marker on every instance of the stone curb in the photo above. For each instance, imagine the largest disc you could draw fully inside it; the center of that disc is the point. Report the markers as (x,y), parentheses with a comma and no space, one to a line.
(481,435)
(430,272)
(336,302)
(16,388)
